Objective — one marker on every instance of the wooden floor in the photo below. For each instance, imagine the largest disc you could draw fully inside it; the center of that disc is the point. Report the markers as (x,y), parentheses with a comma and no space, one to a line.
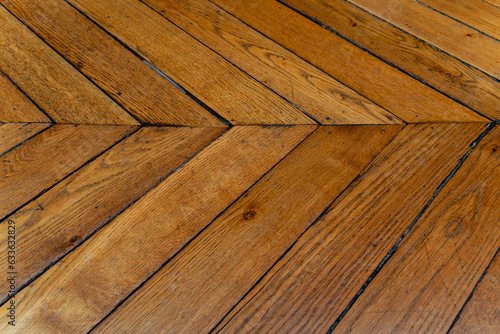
(263,166)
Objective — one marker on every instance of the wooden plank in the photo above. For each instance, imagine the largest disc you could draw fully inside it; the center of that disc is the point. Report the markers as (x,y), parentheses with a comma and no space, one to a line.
(482,312)
(53,84)
(212,273)
(68,213)
(418,58)
(135,244)
(313,283)
(15,106)
(321,96)
(397,92)
(426,282)
(232,93)
(47,158)
(475,13)
(137,87)
(13,134)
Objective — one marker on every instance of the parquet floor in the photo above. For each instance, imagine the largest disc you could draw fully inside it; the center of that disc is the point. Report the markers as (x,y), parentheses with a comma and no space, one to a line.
(263,166)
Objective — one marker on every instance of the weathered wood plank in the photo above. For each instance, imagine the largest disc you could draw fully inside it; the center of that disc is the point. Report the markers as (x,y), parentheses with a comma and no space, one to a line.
(230,92)
(144,93)
(313,283)
(47,158)
(83,287)
(424,285)
(321,96)
(53,84)
(378,81)
(13,134)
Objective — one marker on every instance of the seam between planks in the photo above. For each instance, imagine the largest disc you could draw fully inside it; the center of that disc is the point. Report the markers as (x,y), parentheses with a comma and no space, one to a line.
(24,141)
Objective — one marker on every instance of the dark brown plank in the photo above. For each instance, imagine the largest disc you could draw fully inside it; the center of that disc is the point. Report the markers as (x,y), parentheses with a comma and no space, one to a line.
(144,93)
(53,84)
(13,134)
(47,158)
(313,283)
(424,285)
(397,92)
(133,246)
(230,92)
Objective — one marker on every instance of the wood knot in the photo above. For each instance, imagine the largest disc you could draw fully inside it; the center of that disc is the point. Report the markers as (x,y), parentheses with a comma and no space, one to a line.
(454,228)
(249,215)
(75,239)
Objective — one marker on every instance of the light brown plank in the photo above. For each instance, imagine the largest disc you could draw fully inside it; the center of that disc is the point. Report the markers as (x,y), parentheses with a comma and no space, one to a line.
(482,312)
(53,84)
(321,96)
(128,80)
(15,106)
(47,158)
(397,92)
(439,70)
(424,285)
(13,134)
(226,89)
(212,273)
(110,265)
(64,216)
(313,283)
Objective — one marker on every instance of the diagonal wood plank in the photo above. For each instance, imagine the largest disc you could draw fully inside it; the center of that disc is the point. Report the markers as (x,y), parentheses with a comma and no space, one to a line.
(418,58)
(15,106)
(232,93)
(53,84)
(313,283)
(13,134)
(321,96)
(481,314)
(212,273)
(61,218)
(47,158)
(378,81)
(135,244)
(144,93)
(428,279)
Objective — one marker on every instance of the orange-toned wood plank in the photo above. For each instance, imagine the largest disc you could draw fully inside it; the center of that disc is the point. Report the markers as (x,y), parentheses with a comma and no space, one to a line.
(481,314)
(313,283)
(424,285)
(123,76)
(13,134)
(230,92)
(397,92)
(47,158)
(15,106)
(213,273)
(53,84)
(95,277)
(64,216)
(438,69)
(475,13)
(321,96)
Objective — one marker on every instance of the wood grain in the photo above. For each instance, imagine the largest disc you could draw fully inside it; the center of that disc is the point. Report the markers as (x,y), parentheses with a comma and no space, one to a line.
(378,81)
(13,134)
(212,273)
(83,287)
(226,89)
(313,283)
(53,84)
(424,285)
(482,312)
(137,87)
(61,218)
(47,158)
(321,96)
(15,106)
(418,58)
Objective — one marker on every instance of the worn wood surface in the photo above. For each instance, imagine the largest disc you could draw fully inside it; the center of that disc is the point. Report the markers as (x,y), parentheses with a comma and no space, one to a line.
(13,134)
(400,94)
(132,83)
(47,158)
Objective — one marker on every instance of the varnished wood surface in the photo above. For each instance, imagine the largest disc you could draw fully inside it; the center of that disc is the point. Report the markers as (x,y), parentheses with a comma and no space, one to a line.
(13,134)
